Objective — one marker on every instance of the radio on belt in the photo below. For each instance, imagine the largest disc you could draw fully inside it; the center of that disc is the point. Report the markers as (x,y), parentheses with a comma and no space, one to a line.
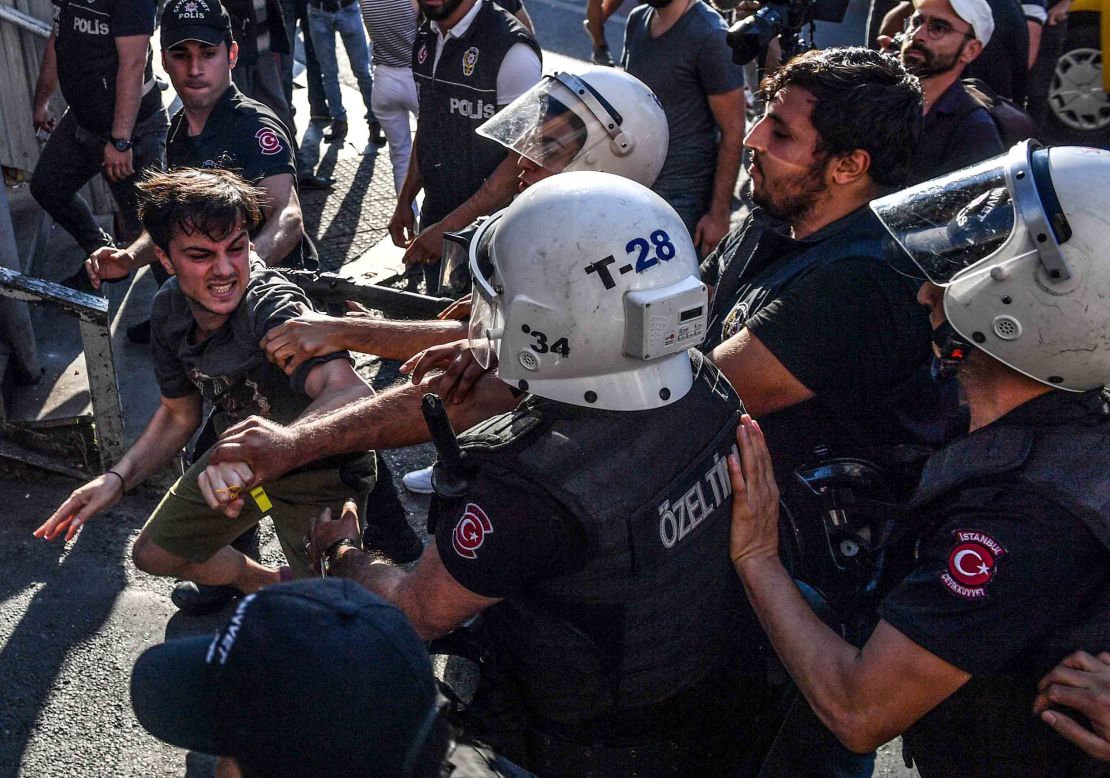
(665,321)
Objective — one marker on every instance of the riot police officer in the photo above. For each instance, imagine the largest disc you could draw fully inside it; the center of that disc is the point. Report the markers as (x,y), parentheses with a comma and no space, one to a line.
(618,642)
(1000,567)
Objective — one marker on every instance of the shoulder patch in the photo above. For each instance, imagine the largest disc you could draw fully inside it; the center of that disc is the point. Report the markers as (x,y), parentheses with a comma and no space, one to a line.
(471,531)
(972,563)
(268,141)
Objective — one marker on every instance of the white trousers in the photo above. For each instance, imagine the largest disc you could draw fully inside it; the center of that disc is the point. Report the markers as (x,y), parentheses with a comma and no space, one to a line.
(394,99)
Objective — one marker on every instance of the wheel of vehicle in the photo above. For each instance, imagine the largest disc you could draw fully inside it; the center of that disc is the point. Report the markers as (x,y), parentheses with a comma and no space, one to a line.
(1077,101)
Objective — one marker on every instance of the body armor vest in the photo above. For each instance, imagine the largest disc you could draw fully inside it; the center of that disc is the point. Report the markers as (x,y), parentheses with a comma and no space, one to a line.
(455,99)
(657,605)
(87,61)
(1063,458)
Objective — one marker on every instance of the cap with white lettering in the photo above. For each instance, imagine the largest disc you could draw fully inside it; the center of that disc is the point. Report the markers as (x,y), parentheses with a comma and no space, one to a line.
(205,21)
(314,677)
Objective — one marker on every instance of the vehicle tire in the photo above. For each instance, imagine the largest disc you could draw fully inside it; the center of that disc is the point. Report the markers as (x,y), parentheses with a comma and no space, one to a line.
(1078,106)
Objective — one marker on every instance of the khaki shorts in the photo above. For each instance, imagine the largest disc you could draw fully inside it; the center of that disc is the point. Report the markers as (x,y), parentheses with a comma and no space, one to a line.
(184,525)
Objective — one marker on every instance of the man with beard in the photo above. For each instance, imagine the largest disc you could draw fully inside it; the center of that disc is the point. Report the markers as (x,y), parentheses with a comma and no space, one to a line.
(470,58)
(941,38)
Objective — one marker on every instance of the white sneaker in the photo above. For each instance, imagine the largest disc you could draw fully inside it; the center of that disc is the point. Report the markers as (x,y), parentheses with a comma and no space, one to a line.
(419,481)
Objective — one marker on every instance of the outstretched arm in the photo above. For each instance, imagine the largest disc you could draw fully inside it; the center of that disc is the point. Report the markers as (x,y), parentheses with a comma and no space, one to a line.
(173,423)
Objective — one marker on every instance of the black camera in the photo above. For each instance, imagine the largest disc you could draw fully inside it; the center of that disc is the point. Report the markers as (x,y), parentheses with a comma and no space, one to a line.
(750,37)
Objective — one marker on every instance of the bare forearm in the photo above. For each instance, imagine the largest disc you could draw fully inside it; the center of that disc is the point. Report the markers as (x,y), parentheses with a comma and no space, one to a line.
(162,439)
(397,339)
(495,193)
(280,235)
(729,151)
(331,401)
(129,93)
(413,180)
(820,661)
(48,75)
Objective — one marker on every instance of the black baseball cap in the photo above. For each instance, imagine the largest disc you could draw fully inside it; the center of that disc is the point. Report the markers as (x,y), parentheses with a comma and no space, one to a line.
(195,20)
(309,678)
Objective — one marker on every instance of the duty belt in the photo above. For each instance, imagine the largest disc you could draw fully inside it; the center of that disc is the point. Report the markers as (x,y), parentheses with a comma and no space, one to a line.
(331,6)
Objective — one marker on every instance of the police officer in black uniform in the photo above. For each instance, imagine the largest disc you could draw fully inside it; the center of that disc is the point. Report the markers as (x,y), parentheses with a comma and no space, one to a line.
(219,127)
(99,53)
(592,535)
(470,58)
(1001,565)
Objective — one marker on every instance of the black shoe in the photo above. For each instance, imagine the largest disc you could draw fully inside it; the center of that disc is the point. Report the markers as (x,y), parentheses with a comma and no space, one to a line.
(310,182)
(377,137)
(139,333)
(201,600)
(387,525)
(337,131)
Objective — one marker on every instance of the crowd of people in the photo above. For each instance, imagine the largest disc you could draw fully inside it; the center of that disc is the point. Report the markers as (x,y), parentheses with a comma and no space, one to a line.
(731,496)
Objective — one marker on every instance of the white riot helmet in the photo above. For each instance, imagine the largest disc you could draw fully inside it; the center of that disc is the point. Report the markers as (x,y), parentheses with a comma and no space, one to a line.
(1019,244)
(586,288)
(601,119)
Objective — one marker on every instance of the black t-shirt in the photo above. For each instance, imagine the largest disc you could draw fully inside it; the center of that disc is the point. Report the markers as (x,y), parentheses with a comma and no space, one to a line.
(85,44)
(989,588)
(229,368)
(851,331)
(245,136)
(506,535)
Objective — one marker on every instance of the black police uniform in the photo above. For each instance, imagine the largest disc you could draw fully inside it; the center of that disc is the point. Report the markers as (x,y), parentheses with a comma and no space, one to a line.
(244,136)
(454,100)
(87,63)
(1001,569)
(624,639)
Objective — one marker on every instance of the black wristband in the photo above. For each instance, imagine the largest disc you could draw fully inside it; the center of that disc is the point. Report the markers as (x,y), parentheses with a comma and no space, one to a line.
(327,560)
(122,481)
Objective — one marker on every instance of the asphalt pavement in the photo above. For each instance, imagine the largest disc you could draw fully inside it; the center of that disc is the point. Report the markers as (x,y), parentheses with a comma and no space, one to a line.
(74,617)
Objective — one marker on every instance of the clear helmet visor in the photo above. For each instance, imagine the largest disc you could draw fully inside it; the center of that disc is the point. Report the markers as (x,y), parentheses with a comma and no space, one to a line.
(487,318)
(948,224)
(549,124)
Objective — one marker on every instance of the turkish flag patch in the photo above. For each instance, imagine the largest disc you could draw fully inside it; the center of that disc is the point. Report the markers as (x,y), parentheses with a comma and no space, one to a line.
(471,531)
(972,563)
(268,141)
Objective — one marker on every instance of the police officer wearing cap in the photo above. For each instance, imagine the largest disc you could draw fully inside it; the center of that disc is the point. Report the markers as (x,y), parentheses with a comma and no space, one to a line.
(99,54)
(1001,566)
(616,641)
(218,127)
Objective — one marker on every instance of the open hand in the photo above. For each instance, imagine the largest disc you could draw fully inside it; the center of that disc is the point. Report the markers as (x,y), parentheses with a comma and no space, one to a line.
(427,247)
(82,505)
(460,369)
(108,264)
(755,497)
(1080,682)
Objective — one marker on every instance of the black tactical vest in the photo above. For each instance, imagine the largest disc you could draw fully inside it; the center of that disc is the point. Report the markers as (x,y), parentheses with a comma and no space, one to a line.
(657,607)
(986,727)
(87,63)
(454,100)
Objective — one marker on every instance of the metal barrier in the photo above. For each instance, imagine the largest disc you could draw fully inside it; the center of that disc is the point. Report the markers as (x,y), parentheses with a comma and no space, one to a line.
(92,316)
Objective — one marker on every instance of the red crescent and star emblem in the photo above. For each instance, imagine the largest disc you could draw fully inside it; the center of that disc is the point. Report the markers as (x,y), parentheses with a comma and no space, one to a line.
(971,564)
(471,531)
(268,141)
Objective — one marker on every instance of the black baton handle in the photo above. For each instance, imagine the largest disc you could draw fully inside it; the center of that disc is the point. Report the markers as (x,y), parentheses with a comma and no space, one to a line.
(443,436)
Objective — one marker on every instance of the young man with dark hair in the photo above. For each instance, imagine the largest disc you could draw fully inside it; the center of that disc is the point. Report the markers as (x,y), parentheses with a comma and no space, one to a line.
(206,324)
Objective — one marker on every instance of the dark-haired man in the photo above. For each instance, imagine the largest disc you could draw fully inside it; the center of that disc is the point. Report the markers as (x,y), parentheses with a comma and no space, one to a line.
(206,325)
(941,38)
(217,127)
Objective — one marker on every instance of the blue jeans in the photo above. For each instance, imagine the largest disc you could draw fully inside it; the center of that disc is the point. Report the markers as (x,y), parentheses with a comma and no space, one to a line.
(348,23)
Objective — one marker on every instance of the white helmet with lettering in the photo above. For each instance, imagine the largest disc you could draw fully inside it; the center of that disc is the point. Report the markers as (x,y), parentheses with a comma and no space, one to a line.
(587,290)
(600,119)
(1019,244)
